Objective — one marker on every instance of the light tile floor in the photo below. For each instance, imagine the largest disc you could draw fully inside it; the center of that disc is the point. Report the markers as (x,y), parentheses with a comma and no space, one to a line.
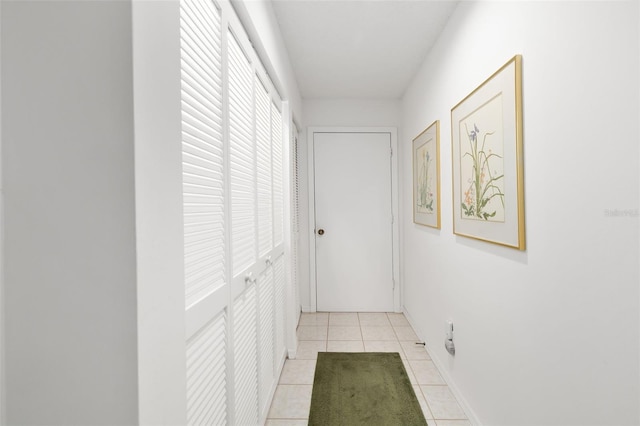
(360,332)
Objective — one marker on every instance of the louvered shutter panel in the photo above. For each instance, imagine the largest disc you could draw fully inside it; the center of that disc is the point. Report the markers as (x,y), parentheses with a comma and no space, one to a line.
(278,201)
(241,159)
(266,325)
(202,149)
(206,374)
(203,179)
(296,184)
(245,351)
(295,226)
(263,149)
(236,154)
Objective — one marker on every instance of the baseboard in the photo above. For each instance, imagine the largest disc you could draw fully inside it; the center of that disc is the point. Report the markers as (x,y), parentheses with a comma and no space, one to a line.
(291,354)
(292,351)
(307,309)
(471,415)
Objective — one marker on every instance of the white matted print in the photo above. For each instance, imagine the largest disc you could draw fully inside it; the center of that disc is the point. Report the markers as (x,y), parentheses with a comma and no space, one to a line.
(426,177)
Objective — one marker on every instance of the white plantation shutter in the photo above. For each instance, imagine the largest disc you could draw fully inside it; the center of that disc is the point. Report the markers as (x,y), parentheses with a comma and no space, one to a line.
(296,183)
(206,374)
(202,150)
(241,159)
(265,184)
(266,325)
(278,200)
(295,219)
(233,201)
(245,351)
(204,212)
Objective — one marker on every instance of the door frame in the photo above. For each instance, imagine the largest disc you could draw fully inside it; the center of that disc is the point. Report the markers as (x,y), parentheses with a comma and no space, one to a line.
(393,132)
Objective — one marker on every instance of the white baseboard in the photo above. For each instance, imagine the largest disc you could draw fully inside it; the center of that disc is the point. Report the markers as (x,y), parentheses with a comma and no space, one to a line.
(471,415)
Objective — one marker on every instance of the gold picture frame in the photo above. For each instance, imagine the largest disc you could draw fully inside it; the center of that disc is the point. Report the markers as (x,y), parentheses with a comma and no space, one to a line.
(487,160)
(426,177)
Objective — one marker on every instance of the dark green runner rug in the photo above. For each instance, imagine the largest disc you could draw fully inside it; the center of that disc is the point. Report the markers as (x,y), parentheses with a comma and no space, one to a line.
(363,389)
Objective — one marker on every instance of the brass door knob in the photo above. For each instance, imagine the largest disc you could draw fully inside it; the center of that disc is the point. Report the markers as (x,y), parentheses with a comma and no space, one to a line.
(321,231)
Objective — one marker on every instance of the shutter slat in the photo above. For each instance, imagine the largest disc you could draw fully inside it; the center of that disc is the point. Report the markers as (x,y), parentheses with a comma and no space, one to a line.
(207,124)
(200,101)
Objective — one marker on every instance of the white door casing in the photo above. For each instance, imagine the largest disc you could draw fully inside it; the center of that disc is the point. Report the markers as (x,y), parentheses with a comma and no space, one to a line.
(353,199)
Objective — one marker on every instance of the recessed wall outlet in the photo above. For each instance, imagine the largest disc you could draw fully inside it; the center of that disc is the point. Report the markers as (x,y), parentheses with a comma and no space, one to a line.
(449,330)
(448,340)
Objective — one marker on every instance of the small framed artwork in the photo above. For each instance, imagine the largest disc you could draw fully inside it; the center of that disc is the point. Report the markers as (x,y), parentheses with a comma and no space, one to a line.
(426,177)
(486,145)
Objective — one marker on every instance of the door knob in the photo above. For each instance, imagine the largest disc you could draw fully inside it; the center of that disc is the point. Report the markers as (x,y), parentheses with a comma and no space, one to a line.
(320,231)
(248,279)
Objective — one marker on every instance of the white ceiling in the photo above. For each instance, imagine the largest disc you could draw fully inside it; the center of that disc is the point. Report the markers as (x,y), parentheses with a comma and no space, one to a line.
(358,48)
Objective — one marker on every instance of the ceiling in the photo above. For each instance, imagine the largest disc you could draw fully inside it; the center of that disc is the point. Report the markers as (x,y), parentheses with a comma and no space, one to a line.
(359,48)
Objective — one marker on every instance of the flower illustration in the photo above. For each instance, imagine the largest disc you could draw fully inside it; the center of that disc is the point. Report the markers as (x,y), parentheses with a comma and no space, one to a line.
(484,185)
(424,199)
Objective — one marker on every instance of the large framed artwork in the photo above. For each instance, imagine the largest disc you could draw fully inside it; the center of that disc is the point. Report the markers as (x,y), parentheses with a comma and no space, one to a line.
(486,145)
(426,176)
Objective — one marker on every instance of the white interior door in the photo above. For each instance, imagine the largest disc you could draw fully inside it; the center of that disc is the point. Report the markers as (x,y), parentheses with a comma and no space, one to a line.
(353,222)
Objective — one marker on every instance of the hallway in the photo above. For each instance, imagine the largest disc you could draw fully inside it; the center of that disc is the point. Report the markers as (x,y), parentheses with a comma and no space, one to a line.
(360,332)
(158,223)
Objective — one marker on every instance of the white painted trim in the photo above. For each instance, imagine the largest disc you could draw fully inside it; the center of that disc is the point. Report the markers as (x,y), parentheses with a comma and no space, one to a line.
(312,221)
(159,218)
(393,132)
(3,419)
(395,206)
(291,304)
(444,372)
(3,392)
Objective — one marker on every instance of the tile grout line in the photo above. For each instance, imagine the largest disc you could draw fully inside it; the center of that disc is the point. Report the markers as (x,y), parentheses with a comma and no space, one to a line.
(414,375)
(426,401)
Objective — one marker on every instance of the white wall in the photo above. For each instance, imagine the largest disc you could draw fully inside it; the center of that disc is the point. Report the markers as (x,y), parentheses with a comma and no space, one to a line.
(352,112)
(334,113)
(549,335)
(70,277)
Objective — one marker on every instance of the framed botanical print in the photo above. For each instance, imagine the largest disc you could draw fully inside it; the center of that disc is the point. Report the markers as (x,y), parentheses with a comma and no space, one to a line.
(486,145)
(426,176)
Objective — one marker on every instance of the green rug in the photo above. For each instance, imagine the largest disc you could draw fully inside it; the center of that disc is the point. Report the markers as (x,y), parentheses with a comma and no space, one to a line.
(363,389)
